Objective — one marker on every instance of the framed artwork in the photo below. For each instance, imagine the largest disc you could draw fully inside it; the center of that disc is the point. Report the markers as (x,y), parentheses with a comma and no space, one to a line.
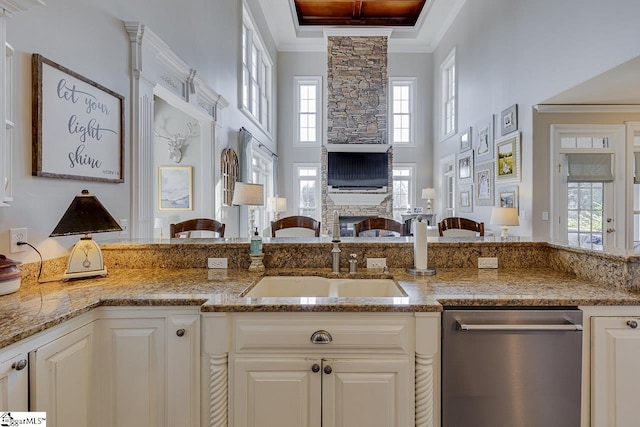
(465,140)
(508,157)
(78,125)
(465,167)
(484,139)
(465,198)
(508,197)
(509,120)
(417,210)
(175,188)
(484,184)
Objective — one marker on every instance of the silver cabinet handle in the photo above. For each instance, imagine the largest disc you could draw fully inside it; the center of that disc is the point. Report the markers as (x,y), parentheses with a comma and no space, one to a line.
(327,369)
(315,367)
(632,324)
(19,365)
(466,328)
(180,332)
(321,337)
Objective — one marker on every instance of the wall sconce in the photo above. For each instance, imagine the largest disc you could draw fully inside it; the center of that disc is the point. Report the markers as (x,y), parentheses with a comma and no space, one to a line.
(276,205)
(85,215)
(428,194)
(505,217)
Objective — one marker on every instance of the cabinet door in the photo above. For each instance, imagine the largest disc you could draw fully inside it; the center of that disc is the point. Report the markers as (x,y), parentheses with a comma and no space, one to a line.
(13,382)
(132,378)
(60,379)
(367,392)
(183,370)
(615,373)
(276,392)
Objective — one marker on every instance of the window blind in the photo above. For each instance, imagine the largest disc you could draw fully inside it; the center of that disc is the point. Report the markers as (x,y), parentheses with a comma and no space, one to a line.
(590,167)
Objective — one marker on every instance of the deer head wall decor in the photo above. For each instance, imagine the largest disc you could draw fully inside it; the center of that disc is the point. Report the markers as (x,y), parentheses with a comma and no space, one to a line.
(177,142)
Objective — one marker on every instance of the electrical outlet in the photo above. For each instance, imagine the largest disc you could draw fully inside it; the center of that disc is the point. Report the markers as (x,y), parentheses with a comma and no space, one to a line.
(376,262)
(17,235)
(487,262)
(217,262)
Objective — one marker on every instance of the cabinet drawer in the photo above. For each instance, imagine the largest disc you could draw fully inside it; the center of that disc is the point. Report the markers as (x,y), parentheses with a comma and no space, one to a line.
(388,333)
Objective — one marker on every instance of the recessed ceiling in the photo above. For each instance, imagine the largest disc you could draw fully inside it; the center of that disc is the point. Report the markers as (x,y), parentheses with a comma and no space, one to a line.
(359,12)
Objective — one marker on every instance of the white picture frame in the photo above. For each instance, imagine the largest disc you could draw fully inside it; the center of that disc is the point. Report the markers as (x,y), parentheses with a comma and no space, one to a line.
(484,184)
(508,162)
(484,139)
(175,188)
(465,198)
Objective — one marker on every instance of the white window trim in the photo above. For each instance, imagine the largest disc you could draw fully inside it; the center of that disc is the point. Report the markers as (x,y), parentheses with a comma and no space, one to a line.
(447,168)
(632,129)
(298,81)
(614,192)
(296,189)
(448,62)
(254,34)
(412,83)
(412,181)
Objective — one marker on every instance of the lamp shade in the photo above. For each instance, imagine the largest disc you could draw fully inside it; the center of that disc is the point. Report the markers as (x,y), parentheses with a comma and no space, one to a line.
(428,193)
(247,194)
(85,215)
(504,216)
(276,204)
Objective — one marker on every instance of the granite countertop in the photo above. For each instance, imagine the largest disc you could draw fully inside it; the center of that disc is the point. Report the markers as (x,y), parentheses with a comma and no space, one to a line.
(38,306)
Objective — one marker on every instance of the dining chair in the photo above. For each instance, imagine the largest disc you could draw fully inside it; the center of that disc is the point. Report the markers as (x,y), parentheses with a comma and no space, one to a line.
(295,221)
(458,223)
(379,224)
(184,228)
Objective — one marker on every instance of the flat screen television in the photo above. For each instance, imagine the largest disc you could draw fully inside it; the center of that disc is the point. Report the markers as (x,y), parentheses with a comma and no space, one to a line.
(347,170)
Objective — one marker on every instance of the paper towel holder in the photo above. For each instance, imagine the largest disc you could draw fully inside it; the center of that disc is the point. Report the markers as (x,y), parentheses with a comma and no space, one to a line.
(419,271)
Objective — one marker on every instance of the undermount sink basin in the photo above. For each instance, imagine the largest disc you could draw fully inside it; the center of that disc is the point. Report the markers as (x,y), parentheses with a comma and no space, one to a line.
(315,286)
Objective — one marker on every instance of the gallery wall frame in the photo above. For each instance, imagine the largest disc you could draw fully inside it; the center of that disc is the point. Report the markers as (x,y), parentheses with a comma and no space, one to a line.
(464,167)
(484,184)
(465,198)
(175,188)
(509,120)
(508,162)
(465,140)
(507,197)
(483,139)
(78,125)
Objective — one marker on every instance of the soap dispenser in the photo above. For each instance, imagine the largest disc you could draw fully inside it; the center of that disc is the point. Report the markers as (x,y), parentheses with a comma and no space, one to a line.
(256,243)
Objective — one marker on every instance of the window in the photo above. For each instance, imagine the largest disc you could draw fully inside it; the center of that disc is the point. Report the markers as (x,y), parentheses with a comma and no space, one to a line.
(402,111)
(404,184)
(262,173)
(633,130)
(256,74)
(308,97)
(307,190)
(449,94)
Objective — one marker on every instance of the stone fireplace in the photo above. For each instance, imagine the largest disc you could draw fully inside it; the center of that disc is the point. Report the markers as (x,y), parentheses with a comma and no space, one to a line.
(356,120)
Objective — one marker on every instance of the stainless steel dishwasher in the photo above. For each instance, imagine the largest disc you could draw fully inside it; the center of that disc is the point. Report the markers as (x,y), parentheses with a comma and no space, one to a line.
(511,368)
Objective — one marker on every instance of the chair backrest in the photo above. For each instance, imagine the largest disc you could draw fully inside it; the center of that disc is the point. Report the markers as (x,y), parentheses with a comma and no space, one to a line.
(458,223)
(196,224)
(295,221)
(379,224)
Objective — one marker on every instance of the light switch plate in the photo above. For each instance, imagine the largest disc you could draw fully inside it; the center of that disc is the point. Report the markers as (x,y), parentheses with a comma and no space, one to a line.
(376,262)
(487,262)
(217,262)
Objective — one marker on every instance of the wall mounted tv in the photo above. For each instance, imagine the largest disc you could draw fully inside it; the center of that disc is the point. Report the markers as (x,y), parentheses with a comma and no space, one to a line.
(348,170)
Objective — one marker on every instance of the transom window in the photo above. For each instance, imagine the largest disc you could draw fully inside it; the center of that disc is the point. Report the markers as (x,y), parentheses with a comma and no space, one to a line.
(308,107)
(449,95)
(402,111)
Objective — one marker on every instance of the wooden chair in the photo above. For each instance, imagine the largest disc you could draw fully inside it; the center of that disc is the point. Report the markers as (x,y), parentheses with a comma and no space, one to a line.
(295,221)
(379,224)
(458,223)
(185,227)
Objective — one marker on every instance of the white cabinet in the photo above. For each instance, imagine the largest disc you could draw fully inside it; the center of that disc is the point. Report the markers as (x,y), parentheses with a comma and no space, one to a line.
(615,384)
(14,381)
(149,362)
(360,373)
(61,374)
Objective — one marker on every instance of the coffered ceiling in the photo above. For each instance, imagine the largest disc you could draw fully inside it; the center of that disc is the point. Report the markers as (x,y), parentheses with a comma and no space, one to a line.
(359,12)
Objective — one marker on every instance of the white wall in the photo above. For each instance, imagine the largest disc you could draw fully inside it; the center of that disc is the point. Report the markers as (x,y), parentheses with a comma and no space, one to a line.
(88,37)
(524,52)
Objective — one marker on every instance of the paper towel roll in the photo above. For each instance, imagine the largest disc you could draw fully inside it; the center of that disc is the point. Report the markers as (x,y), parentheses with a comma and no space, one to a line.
(420,245)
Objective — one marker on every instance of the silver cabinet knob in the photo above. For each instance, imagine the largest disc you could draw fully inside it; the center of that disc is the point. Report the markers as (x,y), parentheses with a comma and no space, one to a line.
(315,367)
(19,365)
(321,337)
(180,332)
(327,369)
(632,324)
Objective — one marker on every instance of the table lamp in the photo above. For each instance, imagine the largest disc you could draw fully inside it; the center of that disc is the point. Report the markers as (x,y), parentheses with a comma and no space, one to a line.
(428,194)
(247,194)
(276,204)
(85,215)
(504,217)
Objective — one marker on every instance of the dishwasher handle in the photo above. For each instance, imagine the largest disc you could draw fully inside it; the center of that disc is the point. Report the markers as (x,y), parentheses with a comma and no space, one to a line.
(520,327)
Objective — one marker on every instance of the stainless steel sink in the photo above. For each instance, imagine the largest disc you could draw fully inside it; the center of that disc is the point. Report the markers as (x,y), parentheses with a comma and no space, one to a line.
(315,286)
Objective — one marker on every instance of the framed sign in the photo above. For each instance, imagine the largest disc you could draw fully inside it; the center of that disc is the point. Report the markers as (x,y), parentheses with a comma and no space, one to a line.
(78,125)
(175,191)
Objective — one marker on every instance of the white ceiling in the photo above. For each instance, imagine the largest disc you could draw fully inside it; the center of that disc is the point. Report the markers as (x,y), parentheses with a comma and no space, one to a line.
(434,20)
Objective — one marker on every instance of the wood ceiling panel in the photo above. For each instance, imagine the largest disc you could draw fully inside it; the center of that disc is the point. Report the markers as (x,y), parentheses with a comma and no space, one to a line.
(359,12)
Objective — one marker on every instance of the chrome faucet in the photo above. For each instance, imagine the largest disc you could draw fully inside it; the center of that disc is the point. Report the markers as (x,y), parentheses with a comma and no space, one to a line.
(335,252)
